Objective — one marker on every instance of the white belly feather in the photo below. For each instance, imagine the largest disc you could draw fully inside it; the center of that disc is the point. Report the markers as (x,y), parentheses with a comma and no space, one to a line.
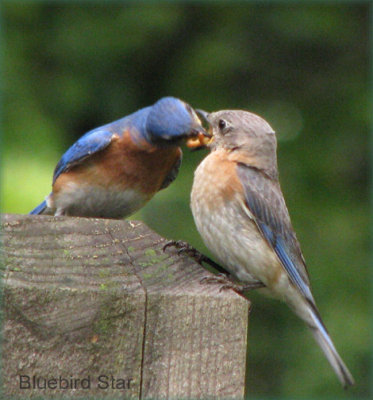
(96,201)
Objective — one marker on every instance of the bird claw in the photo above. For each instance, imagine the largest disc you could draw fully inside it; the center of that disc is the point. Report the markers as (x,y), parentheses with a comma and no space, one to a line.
(226,283)
(221,279)
(181,246)
(186,248)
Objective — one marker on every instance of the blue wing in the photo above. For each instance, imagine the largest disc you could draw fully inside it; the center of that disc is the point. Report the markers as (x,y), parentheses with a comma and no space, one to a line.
(265,201)
(89,144)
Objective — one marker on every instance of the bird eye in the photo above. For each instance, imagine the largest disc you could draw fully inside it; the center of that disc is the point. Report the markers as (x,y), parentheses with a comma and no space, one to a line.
(222,124)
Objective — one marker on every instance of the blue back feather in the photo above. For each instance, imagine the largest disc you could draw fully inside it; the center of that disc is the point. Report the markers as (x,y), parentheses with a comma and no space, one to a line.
(99,138)
(168,118)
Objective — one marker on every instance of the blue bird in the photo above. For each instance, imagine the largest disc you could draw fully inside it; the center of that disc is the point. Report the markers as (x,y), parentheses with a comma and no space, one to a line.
(114,170)
(240,212)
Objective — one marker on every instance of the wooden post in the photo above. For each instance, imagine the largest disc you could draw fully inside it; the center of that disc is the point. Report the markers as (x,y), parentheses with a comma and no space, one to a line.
(94,307)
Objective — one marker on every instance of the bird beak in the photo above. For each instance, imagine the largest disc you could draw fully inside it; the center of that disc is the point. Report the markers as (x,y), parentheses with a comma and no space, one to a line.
(203,114)
(201,137)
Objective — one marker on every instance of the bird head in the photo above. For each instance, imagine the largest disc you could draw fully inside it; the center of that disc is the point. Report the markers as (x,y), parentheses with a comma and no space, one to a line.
(246,134)
(238,129)
(170,121)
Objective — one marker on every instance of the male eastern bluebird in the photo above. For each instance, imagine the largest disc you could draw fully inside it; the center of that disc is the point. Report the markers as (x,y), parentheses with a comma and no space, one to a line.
(112,171)
(241,214)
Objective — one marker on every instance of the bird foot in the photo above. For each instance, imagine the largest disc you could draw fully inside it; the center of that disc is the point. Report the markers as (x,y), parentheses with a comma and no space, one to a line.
(186,248)
(226,283)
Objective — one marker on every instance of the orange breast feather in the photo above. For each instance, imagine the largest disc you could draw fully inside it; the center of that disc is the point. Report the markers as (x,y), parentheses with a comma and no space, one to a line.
(123,164)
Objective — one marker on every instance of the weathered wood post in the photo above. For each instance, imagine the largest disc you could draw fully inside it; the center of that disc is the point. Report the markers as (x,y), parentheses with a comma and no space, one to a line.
(94,307)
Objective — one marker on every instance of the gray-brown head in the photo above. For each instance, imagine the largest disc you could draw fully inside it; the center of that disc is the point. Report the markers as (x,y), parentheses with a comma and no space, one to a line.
(246,133)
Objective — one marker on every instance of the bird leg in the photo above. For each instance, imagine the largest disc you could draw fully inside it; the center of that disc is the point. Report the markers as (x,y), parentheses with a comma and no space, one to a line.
(227,283)
(186,248)
(223,278)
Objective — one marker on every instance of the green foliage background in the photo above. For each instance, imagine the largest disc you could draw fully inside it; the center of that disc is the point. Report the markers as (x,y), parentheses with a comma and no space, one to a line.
(70,67)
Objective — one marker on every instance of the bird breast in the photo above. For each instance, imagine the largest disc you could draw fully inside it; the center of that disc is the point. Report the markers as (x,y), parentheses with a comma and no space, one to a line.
(228,230)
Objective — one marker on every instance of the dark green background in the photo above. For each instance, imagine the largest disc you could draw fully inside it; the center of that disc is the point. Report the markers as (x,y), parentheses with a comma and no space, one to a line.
(74,66)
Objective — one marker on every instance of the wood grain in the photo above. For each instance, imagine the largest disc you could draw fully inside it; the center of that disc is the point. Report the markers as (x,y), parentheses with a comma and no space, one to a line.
(85,298)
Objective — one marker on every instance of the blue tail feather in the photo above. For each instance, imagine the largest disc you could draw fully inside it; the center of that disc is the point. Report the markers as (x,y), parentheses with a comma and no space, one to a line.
(325,342)
(39,209)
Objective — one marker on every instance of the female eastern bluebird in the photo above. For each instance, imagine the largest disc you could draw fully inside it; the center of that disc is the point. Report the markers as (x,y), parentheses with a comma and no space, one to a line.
(241,214)
(112,171)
